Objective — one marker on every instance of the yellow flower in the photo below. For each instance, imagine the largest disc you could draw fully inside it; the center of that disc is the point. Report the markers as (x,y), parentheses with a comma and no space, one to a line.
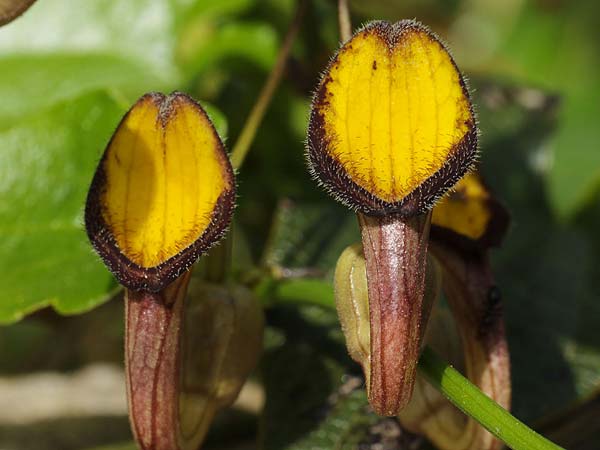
(391,130)
(163,192)
(392,127)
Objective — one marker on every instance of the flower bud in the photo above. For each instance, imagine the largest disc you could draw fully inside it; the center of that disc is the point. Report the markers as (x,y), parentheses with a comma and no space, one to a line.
(352,303)
(187,361)
(222,346)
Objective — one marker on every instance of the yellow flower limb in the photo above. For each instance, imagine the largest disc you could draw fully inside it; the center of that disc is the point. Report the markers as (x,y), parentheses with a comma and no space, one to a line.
(163,192)
(391,127)
(470,217)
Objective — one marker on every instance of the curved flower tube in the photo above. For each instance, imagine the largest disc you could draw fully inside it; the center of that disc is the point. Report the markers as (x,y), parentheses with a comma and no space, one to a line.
(464,226)
(162,195)
(391,130)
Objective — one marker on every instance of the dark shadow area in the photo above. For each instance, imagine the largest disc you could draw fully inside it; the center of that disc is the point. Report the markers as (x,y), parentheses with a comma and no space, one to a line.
(576,428)
(47,341)
(68,433)
(541,267)
(232,429)
(301,374)
(310,235)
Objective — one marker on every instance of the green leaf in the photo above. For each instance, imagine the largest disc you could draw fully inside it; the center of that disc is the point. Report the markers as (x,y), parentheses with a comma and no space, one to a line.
(574,179)
(68,74)
(207,43)
(559,48)
(345,426)
(305,243)
(46,164)
(140,29)
(547,271)
(310,291)
(48,79)
(58,51)
(212,9)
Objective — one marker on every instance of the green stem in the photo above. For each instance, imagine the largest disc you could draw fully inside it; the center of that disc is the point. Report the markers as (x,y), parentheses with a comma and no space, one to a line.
(456,388)
(244,141)
(476,404)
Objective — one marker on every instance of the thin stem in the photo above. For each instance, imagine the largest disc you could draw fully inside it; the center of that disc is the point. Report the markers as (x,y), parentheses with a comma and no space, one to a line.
(344,20)
(246,137)
(470,400)
(461,392)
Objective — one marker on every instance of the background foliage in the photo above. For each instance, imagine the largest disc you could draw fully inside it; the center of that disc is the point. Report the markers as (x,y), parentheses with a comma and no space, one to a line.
(68,72)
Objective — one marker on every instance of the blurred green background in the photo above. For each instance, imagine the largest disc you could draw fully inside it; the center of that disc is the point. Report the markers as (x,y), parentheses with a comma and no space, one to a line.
(69,71)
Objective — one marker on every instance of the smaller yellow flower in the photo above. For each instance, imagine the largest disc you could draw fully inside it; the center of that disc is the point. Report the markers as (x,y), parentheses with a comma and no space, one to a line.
(469,216)
(163,192)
